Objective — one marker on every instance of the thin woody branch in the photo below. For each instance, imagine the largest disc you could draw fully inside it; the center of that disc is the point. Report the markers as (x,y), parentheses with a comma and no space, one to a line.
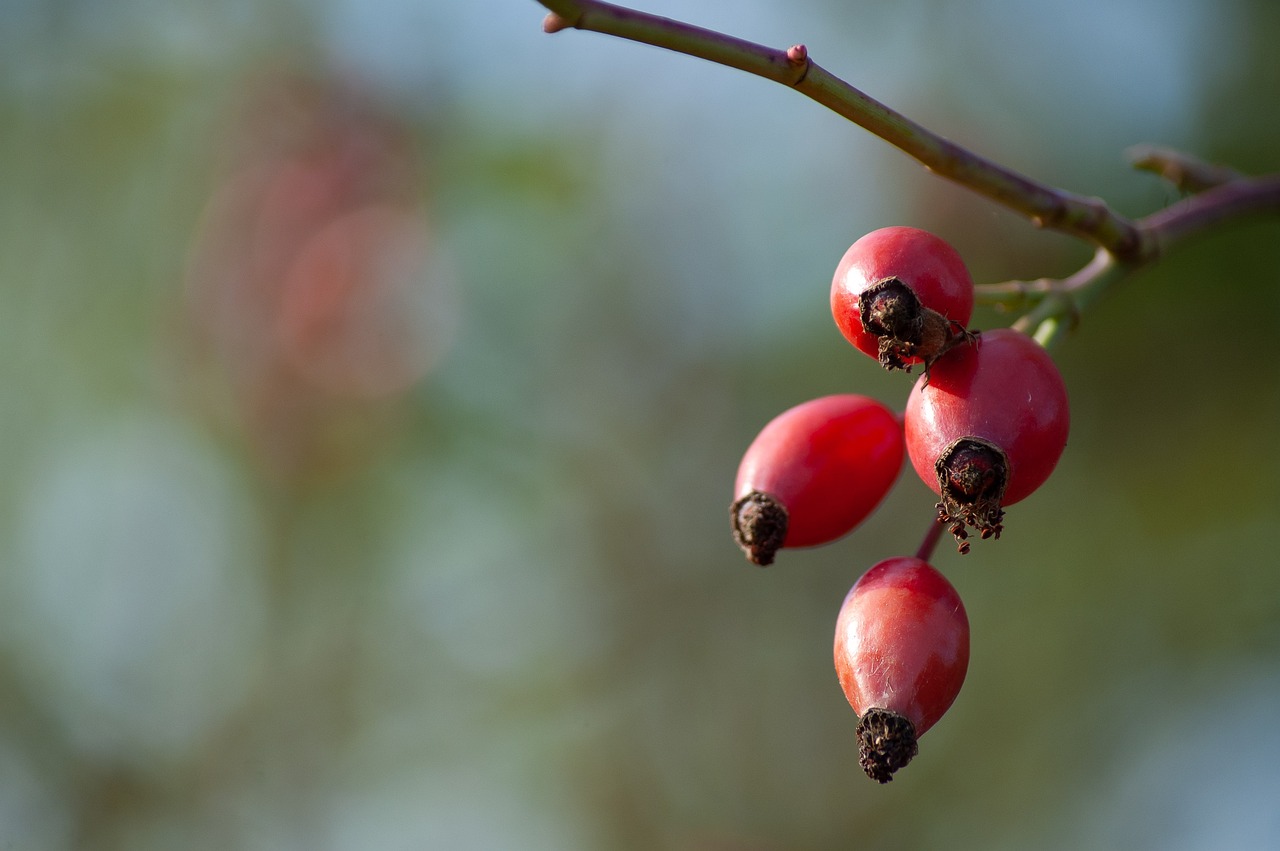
(1226,201)
(1163,229)
(1122,244)
(1048,207)
(1181,169)
(1059,302)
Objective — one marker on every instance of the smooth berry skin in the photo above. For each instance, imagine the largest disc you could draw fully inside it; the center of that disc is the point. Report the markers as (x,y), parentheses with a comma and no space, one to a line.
(828,462)
(1003,388)
(902,642)
(927,264)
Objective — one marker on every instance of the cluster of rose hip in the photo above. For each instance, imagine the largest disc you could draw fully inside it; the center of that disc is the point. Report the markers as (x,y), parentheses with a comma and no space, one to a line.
(984,426)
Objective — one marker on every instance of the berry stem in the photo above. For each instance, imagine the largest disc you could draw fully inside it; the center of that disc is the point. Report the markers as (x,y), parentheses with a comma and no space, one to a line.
(930,540)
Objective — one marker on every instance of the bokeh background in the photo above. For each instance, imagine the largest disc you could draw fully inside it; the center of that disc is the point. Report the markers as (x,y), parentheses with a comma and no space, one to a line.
(375,373)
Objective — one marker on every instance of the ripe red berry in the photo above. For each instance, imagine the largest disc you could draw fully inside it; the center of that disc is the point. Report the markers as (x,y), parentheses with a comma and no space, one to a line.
(902,296)
(814,473)
(901,653)
(987,428)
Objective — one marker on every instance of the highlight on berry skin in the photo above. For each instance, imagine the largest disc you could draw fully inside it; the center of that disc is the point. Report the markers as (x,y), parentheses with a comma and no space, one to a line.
(901,655)
(902,296)
(814,473)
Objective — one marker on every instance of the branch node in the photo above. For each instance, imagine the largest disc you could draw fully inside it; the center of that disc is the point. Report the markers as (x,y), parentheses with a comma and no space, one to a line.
(554,23)
(798,58)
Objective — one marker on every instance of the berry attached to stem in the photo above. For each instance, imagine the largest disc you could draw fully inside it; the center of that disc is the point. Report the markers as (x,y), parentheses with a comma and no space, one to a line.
(814,473)
(987,429)
(902,296)
(901,655)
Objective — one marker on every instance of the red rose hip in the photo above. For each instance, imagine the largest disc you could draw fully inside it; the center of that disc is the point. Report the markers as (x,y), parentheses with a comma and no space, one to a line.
(987,428)
(902,296)
(814,473)
(901,654)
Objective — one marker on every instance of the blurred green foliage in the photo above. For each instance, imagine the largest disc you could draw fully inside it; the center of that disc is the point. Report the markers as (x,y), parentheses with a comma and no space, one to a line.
(375,378)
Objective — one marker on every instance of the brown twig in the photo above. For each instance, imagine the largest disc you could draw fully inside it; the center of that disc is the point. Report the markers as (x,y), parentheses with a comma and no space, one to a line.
(1184,171)
(1046,206)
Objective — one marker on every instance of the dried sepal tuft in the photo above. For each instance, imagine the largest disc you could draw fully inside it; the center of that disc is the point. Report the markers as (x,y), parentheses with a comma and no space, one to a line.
(759,526)
(906,329)
(886,742)
(972,476)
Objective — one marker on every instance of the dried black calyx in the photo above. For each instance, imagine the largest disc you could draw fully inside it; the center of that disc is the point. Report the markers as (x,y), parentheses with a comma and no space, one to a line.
(890,308)
(759,526)
(886,742)
(906,329)
(972,476)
